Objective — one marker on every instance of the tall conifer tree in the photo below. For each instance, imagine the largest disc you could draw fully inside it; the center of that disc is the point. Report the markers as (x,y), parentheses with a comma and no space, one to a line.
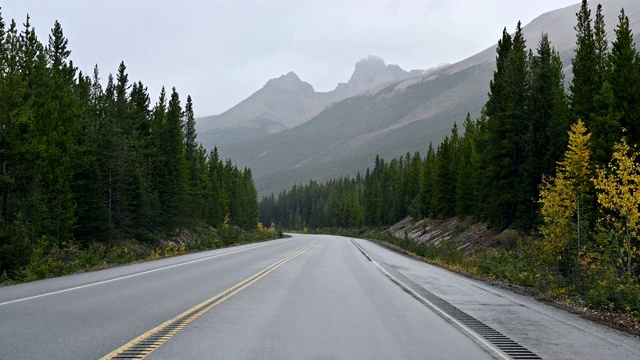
(584,67)
(173,195)
(625,79)
(506,125)
(546,133)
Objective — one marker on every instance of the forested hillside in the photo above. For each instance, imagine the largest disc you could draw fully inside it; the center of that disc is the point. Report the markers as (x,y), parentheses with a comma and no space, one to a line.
(83,165)
(541,160)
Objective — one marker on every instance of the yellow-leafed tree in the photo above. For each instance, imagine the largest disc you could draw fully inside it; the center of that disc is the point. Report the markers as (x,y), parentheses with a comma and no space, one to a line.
(562,197)
(619,196)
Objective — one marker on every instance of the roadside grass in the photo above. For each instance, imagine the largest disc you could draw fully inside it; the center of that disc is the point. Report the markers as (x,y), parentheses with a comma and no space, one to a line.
(68,258)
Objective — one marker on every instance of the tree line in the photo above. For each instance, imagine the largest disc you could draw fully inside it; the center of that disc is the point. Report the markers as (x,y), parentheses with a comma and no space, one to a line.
(82,163)
(494,172)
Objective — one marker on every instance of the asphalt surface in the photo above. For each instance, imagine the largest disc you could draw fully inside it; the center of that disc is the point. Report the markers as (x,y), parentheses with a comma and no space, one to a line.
(548,332)
(328,302)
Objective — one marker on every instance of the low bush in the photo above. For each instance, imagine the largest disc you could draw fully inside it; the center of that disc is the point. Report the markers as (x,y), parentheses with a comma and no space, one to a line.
(48,259)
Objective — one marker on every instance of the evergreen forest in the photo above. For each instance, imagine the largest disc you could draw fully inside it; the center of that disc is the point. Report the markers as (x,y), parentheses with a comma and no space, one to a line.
(99,171)
(555,162)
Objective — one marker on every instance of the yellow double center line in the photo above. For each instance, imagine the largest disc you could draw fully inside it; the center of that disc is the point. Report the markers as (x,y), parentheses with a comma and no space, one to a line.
(144,344)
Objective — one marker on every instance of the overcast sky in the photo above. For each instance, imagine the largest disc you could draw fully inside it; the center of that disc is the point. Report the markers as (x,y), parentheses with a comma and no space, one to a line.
(221,51)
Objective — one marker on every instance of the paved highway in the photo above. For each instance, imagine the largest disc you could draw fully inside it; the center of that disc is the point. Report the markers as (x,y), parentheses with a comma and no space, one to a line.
(307,297)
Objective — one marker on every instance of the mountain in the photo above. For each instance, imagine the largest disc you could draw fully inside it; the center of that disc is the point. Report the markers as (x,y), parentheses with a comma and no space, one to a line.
(371,72)
(400,116)
(287,101)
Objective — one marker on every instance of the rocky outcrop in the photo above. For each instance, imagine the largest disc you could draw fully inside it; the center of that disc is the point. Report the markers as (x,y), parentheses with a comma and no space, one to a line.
(468,237)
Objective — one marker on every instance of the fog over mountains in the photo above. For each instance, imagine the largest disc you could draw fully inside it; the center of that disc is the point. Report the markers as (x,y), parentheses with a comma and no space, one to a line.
(287,133)
(287,101)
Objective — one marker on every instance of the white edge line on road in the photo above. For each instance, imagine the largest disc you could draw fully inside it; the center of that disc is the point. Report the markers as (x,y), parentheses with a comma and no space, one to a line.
(132,275)
(464,329)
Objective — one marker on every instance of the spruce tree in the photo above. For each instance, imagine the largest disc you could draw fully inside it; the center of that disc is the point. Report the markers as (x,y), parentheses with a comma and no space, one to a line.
(427,182)
(144,198)
(57,110)
(605,125)
(602,48)
(412,198)
(215,210)
(547,126)
(506,111)
(173,184)
(191,155)
(584,67)
(2,32)
(624,78)
(251,212)
(465,188)
(444,204)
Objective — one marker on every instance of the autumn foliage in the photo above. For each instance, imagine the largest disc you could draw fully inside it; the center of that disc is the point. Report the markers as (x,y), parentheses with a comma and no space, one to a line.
(562,197)
(619,197)
(603,262)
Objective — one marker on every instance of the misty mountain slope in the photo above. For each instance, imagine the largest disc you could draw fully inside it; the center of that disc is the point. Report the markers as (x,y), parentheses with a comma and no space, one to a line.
(279,105)
(343,137)
(401,116)
(287,101)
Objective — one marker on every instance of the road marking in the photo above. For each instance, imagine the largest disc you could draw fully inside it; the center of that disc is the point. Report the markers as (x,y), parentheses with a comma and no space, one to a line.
(144,344)
(134,275)
(495,352)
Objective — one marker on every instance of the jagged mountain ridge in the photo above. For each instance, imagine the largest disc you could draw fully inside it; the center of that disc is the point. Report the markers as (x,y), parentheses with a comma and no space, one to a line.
(401,116)
(287,101)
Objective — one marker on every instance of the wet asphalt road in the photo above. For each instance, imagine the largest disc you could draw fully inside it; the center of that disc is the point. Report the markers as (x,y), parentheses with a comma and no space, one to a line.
(328,302)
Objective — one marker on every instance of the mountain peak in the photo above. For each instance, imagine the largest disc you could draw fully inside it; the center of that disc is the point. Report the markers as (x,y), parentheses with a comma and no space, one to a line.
(372,71)
(371,60)
(289,82)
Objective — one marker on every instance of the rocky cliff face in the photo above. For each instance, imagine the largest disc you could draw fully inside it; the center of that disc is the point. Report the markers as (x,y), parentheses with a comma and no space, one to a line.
(371,72)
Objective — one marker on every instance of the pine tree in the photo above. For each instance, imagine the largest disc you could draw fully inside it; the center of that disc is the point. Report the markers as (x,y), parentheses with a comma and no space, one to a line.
(443,204)
(545,138)
(144,199)
(466,184)
(93,218)
(549,109)
(17,231)
(602,48)
(584,66)
(191,155)
(57,111)
(427,182)
(412,199)
(507,124)
(121,101)
(2,34)
(251,212)
(173,183)
(116,145)
(624,78)
(214,196)
(190,131)
(11,89)
(606,128)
